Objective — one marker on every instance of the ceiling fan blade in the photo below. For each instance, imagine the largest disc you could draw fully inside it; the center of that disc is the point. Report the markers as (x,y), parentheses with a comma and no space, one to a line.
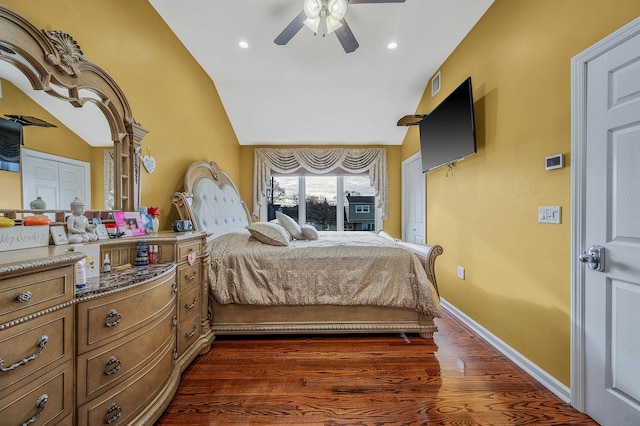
(373,1)
(291,30)
(411,120)
(346,37)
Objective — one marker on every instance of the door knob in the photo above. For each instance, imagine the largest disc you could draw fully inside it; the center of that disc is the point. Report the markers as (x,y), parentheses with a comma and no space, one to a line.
(593,257)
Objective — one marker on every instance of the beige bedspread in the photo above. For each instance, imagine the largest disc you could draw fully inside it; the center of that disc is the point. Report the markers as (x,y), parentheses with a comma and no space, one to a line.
(340,268)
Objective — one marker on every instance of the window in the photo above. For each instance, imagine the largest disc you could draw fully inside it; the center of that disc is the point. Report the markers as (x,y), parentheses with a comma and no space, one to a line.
(282,195)
(323,208)
(351,163)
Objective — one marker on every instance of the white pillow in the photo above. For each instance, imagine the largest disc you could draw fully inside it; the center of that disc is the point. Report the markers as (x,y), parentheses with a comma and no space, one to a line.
(290,225)
(309,232)
(269,233)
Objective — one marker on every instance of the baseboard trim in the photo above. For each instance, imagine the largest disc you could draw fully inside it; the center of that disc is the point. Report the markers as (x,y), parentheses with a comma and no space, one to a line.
(559,389)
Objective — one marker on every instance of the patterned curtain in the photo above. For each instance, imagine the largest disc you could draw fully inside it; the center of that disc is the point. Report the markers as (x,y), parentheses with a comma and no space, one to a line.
(320,161)
(109,166)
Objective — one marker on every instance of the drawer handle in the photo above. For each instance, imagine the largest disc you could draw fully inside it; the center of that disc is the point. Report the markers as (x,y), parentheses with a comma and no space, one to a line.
(190,306)
(174,320)
(42,340)
(192,277)
(112,365)
(111,322)
(110,417)
(175,287)
(24,297)
(190,335)
(39,404)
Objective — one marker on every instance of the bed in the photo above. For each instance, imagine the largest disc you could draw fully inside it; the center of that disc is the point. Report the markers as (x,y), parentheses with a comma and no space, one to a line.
(375,284)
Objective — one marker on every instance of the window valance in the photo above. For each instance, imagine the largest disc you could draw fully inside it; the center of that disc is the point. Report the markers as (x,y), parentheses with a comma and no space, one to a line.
(320,161)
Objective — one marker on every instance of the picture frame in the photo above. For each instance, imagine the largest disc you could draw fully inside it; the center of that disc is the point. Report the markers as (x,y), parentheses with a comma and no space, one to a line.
(58,235)
(147,223)
(101,232)
(130,223)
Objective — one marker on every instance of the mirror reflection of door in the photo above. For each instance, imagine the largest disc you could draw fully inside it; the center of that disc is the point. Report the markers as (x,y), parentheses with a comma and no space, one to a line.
(57,180)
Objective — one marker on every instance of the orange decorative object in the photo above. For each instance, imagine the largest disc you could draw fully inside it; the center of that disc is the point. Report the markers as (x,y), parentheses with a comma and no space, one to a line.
(36,220)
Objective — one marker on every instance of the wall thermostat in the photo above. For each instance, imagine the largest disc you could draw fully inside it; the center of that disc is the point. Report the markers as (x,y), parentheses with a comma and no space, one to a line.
(554,162)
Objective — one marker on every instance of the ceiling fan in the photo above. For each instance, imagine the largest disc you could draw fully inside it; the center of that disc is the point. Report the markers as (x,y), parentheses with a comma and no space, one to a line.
(324,17)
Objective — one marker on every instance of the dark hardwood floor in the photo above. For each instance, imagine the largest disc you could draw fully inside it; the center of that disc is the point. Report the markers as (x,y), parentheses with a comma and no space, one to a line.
(454,379)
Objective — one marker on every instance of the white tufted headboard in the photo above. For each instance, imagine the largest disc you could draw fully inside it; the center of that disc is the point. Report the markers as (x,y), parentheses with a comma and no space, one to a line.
(211,201)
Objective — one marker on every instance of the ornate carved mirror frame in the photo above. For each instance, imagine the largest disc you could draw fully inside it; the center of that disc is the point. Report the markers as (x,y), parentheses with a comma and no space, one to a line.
(52,60)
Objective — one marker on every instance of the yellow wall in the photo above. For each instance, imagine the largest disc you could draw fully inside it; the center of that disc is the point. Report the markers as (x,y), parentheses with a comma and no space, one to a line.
(484,214)
(53,140)
(393,225)
(169,93)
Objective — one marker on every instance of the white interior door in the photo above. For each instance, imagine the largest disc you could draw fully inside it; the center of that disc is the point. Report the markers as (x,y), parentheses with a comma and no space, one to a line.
(57,180)
(611,219)
(413,200)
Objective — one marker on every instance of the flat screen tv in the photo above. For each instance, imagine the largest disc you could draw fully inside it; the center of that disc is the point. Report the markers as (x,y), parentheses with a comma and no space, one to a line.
(448,134)
(10,141)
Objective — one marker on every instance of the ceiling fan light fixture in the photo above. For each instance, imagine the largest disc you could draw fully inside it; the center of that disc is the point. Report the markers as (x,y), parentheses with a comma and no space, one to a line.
(312,24)
(332,24)
(312,8)
(337,9)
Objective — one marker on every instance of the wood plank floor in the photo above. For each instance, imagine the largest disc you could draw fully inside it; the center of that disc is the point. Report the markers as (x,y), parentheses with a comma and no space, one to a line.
(454,379)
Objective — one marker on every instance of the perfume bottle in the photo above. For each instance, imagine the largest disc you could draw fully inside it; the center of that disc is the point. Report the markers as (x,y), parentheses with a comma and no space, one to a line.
(152,254)
(106,263)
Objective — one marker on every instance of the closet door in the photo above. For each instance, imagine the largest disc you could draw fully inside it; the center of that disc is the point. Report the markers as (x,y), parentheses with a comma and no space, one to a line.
(57,180)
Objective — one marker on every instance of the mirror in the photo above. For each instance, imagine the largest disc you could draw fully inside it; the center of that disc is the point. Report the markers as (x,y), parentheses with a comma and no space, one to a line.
(54,66)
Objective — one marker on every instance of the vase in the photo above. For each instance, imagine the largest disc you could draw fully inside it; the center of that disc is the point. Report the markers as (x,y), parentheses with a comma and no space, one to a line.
(155,224)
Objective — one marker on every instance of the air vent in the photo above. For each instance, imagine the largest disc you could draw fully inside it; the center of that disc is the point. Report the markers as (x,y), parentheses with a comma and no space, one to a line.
(435,84)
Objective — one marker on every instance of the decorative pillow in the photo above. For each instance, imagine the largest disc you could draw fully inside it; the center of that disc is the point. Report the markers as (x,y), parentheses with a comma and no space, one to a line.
(309,232)
(269,233)
(290,225)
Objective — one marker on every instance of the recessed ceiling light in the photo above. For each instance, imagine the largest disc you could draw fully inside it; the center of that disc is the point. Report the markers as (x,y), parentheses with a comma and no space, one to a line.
(392,45)
(243,44)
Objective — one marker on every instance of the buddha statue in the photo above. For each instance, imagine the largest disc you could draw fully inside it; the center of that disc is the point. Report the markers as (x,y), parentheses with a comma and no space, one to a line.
(78,228)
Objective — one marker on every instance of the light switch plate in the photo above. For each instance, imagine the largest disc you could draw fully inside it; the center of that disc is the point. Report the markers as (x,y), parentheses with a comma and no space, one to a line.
(549,214)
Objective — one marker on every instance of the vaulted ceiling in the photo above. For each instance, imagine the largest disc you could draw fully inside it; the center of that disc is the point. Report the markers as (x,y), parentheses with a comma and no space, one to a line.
(310,91)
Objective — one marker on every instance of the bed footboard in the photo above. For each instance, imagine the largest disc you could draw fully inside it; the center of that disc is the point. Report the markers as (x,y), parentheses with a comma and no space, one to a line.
(427,255)
(316,319)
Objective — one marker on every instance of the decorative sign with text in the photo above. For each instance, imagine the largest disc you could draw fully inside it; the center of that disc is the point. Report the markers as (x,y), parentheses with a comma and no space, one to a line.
(21,237)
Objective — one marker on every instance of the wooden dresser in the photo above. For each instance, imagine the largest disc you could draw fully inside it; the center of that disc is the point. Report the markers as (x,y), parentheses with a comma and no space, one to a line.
(111,353)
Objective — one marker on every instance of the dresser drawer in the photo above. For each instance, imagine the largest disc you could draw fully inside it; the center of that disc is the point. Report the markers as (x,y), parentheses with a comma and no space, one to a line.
(105,319)
(188,332)
(103,368)
(32,346)
(189,302)
(189,276)
(188,247)
(26,294)
(50,396)
(121,405)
